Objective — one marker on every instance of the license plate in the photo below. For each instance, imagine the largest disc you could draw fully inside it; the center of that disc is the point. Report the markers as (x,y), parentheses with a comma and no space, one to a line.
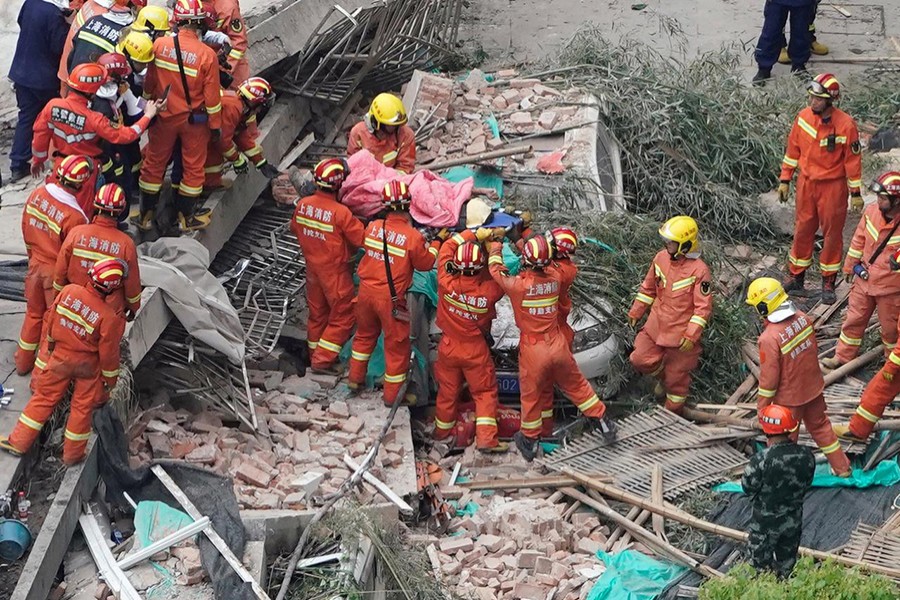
(508,383)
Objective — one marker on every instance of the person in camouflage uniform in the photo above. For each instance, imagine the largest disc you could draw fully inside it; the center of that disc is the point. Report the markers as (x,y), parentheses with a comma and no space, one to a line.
(776,481)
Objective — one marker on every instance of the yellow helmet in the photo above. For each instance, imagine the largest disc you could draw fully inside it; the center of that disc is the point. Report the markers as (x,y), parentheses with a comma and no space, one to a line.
(387,109)
(765,295)
(137,46)
(682,230)
(151,19)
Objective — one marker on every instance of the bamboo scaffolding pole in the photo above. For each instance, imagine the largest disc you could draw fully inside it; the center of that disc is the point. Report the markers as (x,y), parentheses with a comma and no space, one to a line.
(854,365)
(751,423)
(550,481)
(467,160)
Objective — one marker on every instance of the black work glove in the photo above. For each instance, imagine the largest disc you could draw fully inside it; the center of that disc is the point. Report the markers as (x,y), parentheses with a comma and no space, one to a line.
(268,170)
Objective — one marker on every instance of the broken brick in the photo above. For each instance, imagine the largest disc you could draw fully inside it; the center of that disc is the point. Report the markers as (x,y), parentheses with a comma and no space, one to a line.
(204,455)
(339,409)
(252,475)
(548,119)
(353,425)
(529,591)
(456,544)
(524,83)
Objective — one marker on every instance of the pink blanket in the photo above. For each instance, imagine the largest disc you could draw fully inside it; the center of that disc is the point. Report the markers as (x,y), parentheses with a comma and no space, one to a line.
(435,201)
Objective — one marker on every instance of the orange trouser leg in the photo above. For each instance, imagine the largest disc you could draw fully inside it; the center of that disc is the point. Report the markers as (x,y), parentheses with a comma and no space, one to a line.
(367,331)
(812,415)
(548,423)
(240,72)
(397,347)
(339,293)
(646,357)
(194,144)
(535,369)
(831,202)
(806,223)
(570,381)
(481,376)
(448,372)
(162,137)
(213,167)
(39,295)
(878,394)
(87,395)
(859,309)
(317,309)
(888,308)
(157,153)
(677,375)
(48,388)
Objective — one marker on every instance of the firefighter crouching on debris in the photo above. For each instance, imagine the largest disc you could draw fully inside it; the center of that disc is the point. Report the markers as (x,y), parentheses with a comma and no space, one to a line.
(678,292)
(394,249)
(467,296)
(875,286)
(50,214)
(81,347)
(385,134)
(329,235)
(100,240)
(824,145)
(193,116)
(789,373)
(545,358)
(776,481)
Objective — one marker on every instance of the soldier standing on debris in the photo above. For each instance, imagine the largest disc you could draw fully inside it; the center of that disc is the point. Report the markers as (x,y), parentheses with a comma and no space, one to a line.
(394,249)
(545,358)
(81,348)
(50,214)
(466,308)
(329,234)
(867,265)
(385,134)
(101,240)
(776,481)
(824,145)
(789,373)
(678,292)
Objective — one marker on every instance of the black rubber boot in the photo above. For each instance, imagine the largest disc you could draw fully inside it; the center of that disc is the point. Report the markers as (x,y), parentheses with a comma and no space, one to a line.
(148,205)
(794,283)
(828,295)
(528,447)
(762,75)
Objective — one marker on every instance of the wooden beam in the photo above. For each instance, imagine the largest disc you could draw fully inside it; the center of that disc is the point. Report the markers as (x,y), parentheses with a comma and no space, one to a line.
(550,481)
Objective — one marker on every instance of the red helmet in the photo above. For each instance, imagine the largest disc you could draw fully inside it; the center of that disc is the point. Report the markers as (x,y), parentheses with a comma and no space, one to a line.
(87,78)
(116,64)
(824,86)
(887,184)
(330,173)
(189,10)
(256,91)
(537,252)
(107,274)
(396,195)
(110,199)
(74,170)
(469,257)
(776,420)
(564,241)
(139,3)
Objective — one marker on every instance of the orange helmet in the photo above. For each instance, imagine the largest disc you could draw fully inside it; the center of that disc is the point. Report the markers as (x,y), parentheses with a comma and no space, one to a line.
(87,78)
(564,241)
(107,274)
(189,10)
(396,195)
(330,173)
(887,184)
(256,91)
(116,64)
(110,199)
(537,252)
(777,420)
(469,258)
(824,86)
(74,170)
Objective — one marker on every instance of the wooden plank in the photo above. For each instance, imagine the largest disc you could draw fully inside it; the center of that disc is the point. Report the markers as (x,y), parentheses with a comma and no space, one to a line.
(295,152)
(379,485)
(659,524)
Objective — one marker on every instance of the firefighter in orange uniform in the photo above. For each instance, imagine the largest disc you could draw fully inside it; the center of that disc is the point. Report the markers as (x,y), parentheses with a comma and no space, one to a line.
(87,10)
(329,235)
(381,303)
(545,358)
(789,373)
(50,214)
(192,116)
(385,134)
(230,22)
(81,347)
(74,128)
(875,286)
(824,145)
(101,240)
(678,292)
(467,296)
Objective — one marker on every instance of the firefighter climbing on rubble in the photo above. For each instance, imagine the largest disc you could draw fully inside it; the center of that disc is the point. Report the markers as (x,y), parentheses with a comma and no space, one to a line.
(51,213)
(467,296)
(824,145)
(384,133)
(789,373)
(228,20)
(81,347)
(394,249)
(678,292)
(74,128)
(188,70)
(776,481)
(545,357)
(100,240)
(329,235)
(875,286)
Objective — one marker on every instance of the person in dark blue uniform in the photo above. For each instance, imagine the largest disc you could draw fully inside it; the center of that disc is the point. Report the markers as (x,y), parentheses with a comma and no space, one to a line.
(775,15)
(42,33)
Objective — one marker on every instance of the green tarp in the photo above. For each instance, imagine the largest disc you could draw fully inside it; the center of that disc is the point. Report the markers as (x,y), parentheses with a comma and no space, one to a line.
(631,575)
(886,473)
